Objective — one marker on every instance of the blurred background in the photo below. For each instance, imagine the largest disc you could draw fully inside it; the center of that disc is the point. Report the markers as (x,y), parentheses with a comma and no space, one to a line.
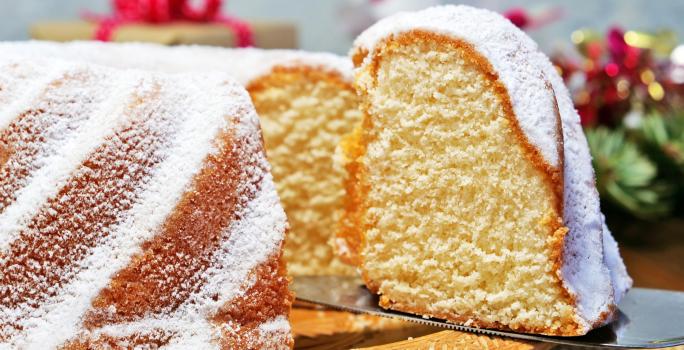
(623,61)
(321,25)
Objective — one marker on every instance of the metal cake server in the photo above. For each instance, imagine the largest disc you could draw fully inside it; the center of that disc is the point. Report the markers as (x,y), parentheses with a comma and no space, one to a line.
(648,318)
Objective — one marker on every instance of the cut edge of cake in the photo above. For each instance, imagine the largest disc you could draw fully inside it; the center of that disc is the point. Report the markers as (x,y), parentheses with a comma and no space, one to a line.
(588,267)
(324,114)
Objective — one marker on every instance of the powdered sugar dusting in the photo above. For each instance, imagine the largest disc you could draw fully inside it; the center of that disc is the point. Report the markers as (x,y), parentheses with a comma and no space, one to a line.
(532,84)
(68,226)
(21,83)
(184,333)
(250,241)
(66,144)
(585,268)
(618,272)
(276,333)
(197,108)
(243,65)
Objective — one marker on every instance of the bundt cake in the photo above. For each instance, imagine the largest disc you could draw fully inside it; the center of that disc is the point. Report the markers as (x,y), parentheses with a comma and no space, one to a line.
(305,102)
(137,210)
(471,195)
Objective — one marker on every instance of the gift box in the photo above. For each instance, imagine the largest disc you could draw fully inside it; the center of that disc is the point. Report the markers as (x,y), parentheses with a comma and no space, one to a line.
(265,34)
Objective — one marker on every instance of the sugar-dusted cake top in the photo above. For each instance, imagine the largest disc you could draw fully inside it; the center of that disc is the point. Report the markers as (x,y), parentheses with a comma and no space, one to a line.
(133,206)
(514,56)
(243,65)
(314,87)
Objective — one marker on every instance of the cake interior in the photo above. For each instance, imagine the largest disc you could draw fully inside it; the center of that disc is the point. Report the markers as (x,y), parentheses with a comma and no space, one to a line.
(304,112)
(456,219)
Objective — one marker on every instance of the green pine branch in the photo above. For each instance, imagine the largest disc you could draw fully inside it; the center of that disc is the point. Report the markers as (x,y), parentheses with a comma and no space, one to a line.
(664,138)
(626,176)
(663,141)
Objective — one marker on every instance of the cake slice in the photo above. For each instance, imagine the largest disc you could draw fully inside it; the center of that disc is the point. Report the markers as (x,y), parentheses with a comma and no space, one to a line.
(137,210)
(305,102)
(471,195)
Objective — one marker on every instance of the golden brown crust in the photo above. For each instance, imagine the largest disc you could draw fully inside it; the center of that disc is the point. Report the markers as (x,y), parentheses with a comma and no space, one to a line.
(146,286)
(76,239)
(5,153)
(353,146)
(311,73)
(199,219)
(153,340)
(358,56)
(267,299)
(246,338)
(187,241)
(350,225)
(135,295)
(606,316)
(569,330)
(19,151)
(357,188)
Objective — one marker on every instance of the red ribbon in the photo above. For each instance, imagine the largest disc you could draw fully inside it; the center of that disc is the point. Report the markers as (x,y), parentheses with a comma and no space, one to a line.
(523,20)
(165,11)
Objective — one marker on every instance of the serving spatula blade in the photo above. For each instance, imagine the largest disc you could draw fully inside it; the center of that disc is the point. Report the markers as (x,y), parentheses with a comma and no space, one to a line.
(647,318)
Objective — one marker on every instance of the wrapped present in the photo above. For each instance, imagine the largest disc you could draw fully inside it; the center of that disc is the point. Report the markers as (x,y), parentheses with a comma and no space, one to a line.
(170,22)
(266,34)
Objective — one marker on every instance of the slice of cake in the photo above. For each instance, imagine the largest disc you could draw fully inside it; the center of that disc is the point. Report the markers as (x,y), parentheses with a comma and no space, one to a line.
(471,195)
(137,210)
(305,102)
